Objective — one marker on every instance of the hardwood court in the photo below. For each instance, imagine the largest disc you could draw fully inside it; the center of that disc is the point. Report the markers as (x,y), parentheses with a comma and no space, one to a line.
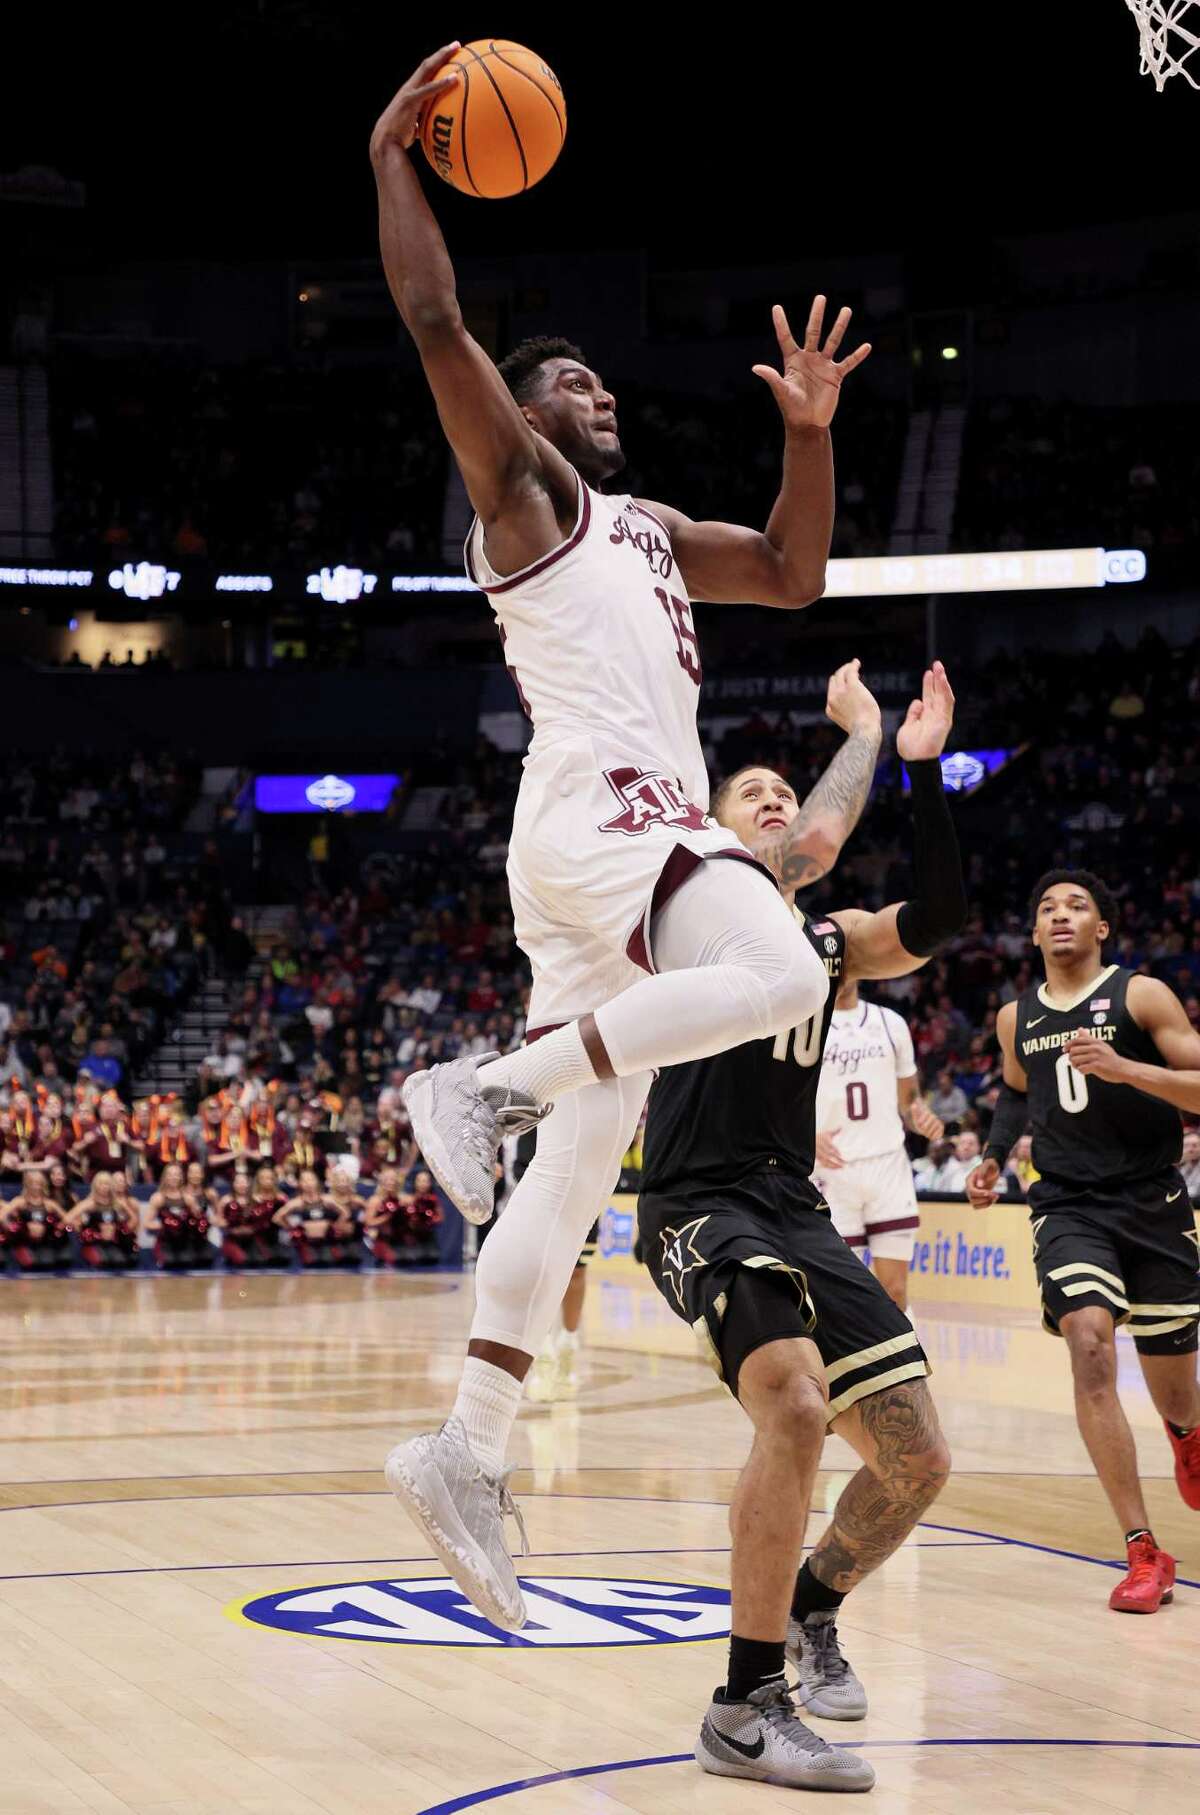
(179,1451)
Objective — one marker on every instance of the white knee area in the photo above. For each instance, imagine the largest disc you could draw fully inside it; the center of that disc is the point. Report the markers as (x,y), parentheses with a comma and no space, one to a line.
(530,1255)
(729,917)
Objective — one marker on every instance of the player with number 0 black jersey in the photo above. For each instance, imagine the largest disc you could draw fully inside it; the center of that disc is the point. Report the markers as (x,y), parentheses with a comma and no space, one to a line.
(742,1246)
(1100,1061)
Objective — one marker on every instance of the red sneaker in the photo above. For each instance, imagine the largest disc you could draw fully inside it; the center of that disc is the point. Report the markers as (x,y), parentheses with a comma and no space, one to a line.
(1187,1466)
(1150,1583)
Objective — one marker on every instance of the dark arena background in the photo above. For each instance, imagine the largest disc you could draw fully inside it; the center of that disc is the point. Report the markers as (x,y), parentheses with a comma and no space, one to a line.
(260,754)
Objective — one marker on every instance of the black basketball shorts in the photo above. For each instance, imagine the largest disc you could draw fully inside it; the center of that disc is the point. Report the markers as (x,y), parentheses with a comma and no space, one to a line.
(760,1261)
(1130,1248)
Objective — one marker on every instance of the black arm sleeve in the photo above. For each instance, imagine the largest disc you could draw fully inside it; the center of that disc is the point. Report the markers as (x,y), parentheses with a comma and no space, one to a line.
(1009,1123)
(938,910)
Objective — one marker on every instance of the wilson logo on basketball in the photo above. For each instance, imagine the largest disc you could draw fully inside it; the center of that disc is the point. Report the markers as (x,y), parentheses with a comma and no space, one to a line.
(646,800)
(563,1611)
(440,135)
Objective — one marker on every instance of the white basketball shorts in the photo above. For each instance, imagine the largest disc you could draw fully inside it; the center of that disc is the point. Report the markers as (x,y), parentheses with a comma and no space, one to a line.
(598,846)
(874,1205)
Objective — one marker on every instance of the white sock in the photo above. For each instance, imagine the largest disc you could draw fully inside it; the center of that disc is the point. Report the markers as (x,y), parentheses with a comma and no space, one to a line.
(549,1068)
(568,1339)
(487,1404)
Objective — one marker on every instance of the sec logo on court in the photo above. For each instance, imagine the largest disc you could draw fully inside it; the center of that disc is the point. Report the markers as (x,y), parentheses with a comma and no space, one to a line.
(564,1611)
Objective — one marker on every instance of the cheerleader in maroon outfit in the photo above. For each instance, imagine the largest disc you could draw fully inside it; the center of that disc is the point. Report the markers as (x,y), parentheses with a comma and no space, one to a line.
(309,1222)
(33,1228)
(384,1218)
(107,1229)
(267,1200)
(178,1222)
(424,1213)
(235,1217)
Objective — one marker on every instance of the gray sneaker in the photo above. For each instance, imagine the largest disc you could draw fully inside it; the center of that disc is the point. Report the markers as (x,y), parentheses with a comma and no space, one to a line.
(460,1509)
(763,1739)
(458,1122)
(827,1685)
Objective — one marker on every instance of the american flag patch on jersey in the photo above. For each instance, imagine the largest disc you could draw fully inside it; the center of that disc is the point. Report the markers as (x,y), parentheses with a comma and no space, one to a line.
(1100,1002)
(827,926)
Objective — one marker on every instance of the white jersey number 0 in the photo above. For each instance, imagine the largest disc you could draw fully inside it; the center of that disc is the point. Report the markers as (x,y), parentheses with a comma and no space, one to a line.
(1072,1085)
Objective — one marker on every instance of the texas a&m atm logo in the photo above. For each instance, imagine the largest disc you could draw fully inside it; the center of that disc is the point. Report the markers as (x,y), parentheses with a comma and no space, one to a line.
(649,799)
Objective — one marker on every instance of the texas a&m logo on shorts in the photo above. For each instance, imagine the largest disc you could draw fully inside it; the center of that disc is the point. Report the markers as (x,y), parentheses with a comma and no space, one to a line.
(648,799)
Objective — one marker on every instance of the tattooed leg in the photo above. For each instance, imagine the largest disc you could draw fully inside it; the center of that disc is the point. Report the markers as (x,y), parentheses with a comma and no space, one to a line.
(906,1460)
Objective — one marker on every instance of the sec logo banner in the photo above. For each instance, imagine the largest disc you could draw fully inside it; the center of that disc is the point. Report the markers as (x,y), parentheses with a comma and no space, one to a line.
(563,1611)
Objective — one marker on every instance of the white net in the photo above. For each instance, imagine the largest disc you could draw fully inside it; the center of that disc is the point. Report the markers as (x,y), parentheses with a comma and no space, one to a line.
(1170,33)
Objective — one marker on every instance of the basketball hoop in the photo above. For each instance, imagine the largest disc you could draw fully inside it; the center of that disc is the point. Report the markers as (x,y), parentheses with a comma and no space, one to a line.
(1170,32)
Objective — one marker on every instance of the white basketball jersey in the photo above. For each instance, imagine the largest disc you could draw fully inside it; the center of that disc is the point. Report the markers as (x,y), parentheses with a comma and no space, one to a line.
(599,640)
(868,1049)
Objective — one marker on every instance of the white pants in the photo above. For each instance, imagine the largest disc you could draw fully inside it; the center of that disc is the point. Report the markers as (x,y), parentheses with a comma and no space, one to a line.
(527,1260)
(874,1205)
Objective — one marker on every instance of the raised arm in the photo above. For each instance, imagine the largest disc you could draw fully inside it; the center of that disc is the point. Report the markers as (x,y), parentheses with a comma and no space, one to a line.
(904,936)
(1160,1013)
(810,846)
(784,564)
(510,472)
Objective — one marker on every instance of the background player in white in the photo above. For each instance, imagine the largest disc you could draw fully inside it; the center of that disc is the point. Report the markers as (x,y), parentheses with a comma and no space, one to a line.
(606,863)
(868,1090)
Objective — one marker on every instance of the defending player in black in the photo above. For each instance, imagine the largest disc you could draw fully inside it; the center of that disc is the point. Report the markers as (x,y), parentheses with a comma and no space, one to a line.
(1100,1061)
(744,1250)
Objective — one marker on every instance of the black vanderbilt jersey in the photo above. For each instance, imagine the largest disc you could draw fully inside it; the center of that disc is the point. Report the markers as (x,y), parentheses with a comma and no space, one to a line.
(712,1121)
(1085,1130)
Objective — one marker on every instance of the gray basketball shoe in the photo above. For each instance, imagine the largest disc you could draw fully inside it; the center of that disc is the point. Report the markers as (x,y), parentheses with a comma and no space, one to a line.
(762,1738)
(461,1509)
(827,1685)
(458,1122)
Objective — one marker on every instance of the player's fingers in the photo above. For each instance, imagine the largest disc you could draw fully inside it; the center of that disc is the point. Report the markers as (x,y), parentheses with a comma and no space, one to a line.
(432,63)
(770,376)
(783,332)
(437,88)
(833,339)
(854,359)
(816,319)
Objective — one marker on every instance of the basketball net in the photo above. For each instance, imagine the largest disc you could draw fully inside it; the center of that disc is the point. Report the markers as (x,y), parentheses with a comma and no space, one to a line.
(1170,32)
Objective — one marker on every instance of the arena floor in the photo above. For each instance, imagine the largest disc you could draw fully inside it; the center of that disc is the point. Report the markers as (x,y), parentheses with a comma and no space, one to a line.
(182,1455)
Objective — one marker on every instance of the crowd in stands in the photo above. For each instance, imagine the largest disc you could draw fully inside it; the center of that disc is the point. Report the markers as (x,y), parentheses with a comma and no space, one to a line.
(1042,473)
(290,1146)
(171,455)
(168,454)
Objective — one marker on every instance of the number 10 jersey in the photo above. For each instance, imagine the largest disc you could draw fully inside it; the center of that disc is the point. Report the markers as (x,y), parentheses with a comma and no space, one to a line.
(753,1109)
(1087,1131)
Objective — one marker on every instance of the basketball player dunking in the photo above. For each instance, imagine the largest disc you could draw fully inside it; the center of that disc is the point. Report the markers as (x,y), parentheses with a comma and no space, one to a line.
(741,1245)
(608,863)
(1099,1061)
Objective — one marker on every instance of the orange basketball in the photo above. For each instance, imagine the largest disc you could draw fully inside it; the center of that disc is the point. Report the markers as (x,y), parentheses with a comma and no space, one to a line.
(501,127)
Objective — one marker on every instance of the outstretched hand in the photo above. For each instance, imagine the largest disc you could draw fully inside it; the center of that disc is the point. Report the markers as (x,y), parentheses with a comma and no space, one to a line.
(928,720)
(849,702)
(400,120)
(808,388)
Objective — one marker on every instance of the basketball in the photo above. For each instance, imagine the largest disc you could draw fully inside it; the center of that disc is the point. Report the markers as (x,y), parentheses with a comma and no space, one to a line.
(500,129)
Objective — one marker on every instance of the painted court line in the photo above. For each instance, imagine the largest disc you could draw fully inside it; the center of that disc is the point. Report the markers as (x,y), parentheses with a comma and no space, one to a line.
(183,1569)
(474,1797)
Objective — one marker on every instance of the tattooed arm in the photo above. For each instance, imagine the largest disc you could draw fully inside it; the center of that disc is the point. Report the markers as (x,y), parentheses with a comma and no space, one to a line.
(800,853)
